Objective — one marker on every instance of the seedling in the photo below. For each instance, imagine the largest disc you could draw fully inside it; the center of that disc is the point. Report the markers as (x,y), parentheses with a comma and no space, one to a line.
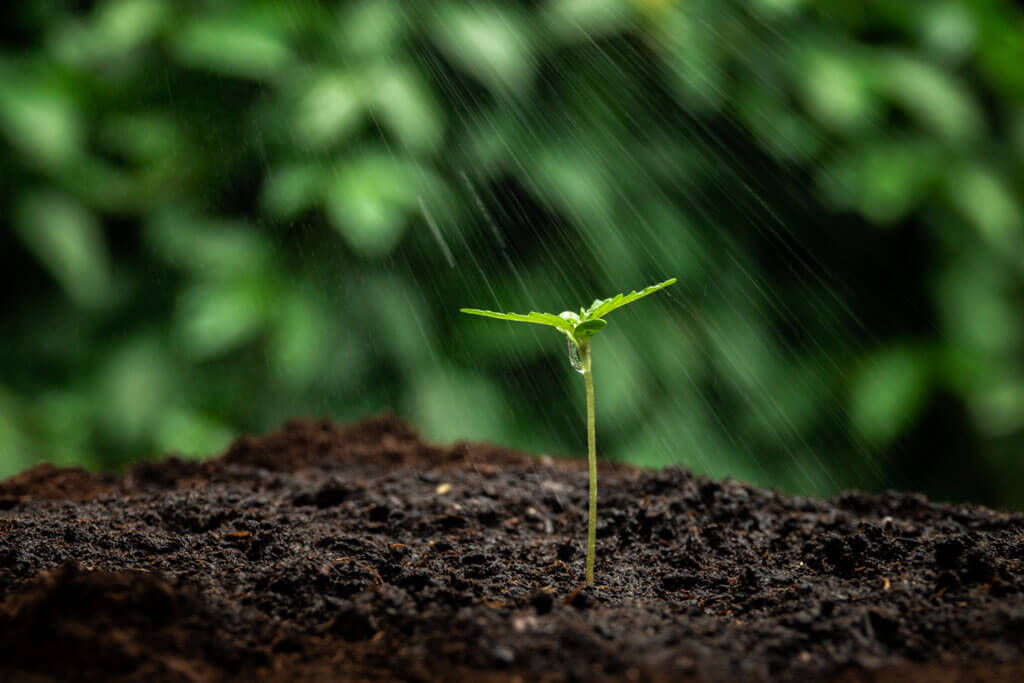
(579,328)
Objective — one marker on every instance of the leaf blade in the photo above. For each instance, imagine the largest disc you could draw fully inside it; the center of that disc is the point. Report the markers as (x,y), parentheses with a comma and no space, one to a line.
(587,329)
(532,317)
(606,306)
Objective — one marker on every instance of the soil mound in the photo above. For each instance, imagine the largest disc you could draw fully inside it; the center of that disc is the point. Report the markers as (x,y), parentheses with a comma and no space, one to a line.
(100,624)
(348,552)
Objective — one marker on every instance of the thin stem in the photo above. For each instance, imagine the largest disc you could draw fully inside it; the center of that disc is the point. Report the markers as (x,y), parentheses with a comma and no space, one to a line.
(588,377)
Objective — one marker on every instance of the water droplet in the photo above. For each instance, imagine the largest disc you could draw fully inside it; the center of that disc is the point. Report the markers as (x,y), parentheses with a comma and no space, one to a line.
(574,357)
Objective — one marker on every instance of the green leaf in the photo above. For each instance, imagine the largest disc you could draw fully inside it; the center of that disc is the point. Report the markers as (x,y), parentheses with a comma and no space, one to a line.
(208,247)
(587,329)
(39,120)
(69,242)
(214,318)
(292,189)
(453,404)
(124,24)
(587,20)
(888,393)
(579,328)
(300,331)
(932,96)
(985,199)
(488,42)
(372,28)
(190,433)
(949,29)
(110,32)
(329,107)
(884,180)
(407,107)
(368,200)
(531,317)
(232,46)
(834,86)
(141,137)
(602,307)
(133,388)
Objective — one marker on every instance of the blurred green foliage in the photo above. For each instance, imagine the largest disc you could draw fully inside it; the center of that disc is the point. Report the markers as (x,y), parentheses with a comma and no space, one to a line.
(223,214)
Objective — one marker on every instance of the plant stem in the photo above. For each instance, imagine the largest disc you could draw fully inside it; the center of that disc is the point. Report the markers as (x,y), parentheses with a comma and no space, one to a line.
(588,377)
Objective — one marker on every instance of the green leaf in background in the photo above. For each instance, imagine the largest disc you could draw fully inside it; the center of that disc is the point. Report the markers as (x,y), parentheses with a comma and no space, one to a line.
(37,118)
(990,206)
(999,407)
(948,28)
(232,46)
(977,315)
(778,8)
(211,248)
(293,188)
(450,405)
(328,109)
(783,132)
(486,41)
(936,99)
(888,391)
(567,180)
(299,335)
(216,317)
(143,137)
(694,57)
(121,25)
(883,180)
(587,20)
(112,29)
(249,188)
(834,85)
(408,109)
(369,28)
(67,240)
(134,387)
(191,434)
(368,201)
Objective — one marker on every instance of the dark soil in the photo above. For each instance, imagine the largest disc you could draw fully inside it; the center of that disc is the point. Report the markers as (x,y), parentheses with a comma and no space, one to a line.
(359,552)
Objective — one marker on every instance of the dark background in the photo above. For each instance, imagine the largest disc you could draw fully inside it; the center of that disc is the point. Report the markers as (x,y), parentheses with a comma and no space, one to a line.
(218,215)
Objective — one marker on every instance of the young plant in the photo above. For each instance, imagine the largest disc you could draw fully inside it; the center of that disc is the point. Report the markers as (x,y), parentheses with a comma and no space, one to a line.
(579,328)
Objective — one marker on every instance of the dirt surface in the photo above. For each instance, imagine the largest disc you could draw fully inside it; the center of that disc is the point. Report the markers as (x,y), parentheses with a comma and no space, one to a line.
(326,552)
